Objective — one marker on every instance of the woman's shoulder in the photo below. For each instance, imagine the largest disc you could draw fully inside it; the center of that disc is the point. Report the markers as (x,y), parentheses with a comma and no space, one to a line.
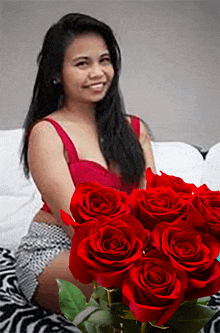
(43,135)
(44,126)
(144,130)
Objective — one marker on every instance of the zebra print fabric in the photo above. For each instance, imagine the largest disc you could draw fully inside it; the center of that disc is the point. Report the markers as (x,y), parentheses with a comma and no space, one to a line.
(19,316)
(214,302)
(213,326)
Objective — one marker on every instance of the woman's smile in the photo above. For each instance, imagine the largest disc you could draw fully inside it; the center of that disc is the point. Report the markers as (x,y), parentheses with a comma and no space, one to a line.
(96,87)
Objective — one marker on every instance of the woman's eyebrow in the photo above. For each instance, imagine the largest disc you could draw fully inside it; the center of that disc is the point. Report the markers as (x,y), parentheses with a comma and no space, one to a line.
(80,58)
(105,53)
(87,57)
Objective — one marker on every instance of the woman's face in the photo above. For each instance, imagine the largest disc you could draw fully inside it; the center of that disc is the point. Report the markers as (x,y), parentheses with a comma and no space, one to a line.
(87,70)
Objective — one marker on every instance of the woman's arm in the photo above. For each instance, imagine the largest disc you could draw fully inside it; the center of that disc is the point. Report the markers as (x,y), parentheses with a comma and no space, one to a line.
(49,170)
(145,141)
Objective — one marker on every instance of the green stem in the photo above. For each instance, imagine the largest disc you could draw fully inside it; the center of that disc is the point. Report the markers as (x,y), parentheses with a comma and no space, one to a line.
(109,298)
(143,327)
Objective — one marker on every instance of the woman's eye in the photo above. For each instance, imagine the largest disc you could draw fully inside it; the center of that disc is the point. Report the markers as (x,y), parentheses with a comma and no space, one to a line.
(106,60)
(82,64)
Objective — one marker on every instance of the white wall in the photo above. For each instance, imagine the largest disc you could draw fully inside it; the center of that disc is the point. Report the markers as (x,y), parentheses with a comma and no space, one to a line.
(170,53)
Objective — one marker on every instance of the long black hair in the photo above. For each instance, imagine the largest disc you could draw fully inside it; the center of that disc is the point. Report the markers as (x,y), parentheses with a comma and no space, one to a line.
(117,141)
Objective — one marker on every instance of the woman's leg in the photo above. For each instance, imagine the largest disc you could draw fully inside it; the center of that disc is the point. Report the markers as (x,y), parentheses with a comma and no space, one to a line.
(47,293)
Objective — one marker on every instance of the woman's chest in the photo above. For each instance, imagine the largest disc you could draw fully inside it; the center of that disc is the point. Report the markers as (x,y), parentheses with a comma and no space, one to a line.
(82,143)
(87,148)
(85,140)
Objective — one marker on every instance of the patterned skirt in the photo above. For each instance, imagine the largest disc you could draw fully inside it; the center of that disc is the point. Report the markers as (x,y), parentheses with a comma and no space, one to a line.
(42,244)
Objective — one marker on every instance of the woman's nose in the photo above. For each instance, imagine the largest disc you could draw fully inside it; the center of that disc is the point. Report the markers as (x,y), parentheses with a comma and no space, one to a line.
(96,70)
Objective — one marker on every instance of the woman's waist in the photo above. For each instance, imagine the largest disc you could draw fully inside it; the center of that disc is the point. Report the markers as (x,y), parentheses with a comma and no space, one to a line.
(46,217)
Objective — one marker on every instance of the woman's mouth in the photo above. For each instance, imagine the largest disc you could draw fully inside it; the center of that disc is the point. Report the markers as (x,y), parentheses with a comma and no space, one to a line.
(96,86)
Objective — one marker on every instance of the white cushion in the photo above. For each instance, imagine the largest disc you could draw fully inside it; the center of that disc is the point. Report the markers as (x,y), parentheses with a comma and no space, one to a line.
(178,159)
(19,197)
(211,170)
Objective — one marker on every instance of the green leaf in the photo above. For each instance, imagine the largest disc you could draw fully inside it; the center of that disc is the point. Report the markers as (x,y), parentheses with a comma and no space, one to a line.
(103,301)
(101,296)
(101,318)
(71,299)
(129,315)
(92,302)
(105,329)
(103,304)
(84,314)
(99,292)
(190,318)
(91,328)
(203,300)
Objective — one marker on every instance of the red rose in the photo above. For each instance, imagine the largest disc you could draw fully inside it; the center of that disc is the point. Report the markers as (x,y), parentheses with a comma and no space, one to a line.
(176,183)
(91,200)
(153,288)
(104,250)
(207,203)
(155,205)
(193,252)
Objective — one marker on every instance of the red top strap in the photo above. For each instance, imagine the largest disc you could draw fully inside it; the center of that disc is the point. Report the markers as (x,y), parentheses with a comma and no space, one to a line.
(73,156)
(67,142)
(69,145)
(136,125)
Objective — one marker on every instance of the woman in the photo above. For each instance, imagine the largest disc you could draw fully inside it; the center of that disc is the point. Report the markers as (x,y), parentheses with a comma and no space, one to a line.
(75,131)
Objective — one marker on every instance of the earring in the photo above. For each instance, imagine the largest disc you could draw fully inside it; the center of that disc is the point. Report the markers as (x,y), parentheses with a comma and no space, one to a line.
(56,81)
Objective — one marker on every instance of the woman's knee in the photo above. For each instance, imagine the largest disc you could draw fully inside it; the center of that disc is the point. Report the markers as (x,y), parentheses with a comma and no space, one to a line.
(47,292)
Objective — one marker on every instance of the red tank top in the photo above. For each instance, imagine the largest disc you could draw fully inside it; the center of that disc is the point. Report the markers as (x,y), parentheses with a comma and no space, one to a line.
(84,170)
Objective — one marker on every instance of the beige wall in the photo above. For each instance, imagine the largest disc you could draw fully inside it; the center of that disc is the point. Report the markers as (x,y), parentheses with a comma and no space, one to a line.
(170,53)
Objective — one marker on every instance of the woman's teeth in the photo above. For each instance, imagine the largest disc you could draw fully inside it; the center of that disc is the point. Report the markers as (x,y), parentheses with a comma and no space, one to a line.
(97,86)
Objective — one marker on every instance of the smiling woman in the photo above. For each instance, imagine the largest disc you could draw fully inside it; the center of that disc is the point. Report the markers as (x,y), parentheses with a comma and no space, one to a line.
(75,131)
(87,70)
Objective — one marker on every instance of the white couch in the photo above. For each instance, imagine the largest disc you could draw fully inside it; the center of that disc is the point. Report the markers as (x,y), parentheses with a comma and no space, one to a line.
(20,199)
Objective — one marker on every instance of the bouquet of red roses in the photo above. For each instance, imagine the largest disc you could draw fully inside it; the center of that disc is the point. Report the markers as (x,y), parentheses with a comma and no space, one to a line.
(151,255)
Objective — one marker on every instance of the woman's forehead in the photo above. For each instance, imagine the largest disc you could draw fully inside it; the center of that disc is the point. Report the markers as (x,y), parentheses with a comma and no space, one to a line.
(88,43)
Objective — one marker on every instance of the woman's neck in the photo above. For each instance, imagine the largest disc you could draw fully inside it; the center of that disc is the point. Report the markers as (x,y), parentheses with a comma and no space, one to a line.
(79,111)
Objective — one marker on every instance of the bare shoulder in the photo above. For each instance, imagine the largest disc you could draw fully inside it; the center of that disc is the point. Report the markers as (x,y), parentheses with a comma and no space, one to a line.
(42,127)
(44,134)
(145,135)
(44,146)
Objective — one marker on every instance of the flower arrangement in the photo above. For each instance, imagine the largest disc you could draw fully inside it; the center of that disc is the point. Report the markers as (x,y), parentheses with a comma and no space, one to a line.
(151,256)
